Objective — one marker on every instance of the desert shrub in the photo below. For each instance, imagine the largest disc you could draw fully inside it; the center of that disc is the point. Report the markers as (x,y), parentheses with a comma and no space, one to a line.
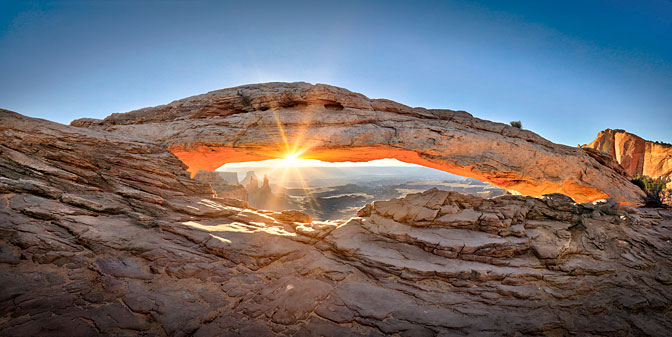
(639,180)
(516,124)
(656,189)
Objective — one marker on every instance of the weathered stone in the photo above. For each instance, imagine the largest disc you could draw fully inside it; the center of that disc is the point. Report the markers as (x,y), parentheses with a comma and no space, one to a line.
(7,255)
(292,216)
(122,267)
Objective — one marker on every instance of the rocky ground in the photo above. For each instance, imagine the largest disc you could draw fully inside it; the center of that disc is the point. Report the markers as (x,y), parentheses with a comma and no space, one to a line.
(107,235)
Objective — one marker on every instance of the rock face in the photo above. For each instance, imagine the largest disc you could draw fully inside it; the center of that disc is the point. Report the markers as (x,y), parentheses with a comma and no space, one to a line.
(264,198)
(216,177)
(636,155)
(272,120)
(224,184)
(102,234)
(251,182)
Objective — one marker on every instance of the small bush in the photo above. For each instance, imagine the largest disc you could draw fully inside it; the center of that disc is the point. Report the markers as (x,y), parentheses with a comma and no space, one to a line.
(516,124)
(656,189)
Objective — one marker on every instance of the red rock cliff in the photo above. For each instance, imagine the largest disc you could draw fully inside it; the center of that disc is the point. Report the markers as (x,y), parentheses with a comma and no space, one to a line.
(635,154)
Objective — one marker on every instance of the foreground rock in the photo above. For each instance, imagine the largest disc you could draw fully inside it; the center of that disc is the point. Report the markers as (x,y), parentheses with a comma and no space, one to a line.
(106,235)
(636,155)
(272,120)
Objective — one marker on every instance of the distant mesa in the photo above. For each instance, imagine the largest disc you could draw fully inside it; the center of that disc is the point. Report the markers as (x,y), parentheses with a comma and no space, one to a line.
(216,177)
(224,184)
(329,193)
(263,197)
(250,180)
(265,121)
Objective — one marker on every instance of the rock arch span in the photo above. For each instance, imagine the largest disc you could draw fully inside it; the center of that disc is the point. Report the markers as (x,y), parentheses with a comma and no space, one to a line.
(270,120)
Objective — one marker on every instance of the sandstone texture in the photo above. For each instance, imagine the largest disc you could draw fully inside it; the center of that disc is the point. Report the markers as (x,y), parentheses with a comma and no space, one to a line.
(636,155)
(272,120)
(102,234)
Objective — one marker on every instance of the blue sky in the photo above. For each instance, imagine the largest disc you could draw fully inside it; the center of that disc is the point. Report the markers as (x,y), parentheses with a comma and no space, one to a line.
(566,69)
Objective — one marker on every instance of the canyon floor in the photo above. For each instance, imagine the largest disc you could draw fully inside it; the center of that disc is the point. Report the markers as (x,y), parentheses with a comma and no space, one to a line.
(327,196)
(104,233)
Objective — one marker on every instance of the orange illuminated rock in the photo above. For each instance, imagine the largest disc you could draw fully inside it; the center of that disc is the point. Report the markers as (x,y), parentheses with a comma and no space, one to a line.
(636,155)
(273,120)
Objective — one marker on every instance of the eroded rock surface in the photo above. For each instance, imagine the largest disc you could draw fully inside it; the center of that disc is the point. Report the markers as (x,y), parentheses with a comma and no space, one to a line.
(106,235)
(271,120)
(636,155)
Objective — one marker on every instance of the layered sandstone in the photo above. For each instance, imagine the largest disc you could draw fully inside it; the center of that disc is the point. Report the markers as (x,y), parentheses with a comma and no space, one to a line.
(102,234)
(271,120)
(636,155)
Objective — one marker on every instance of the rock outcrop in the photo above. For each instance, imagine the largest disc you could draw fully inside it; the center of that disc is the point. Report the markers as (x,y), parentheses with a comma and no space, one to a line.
(102,234)
(636,155)
(217,177)
(264,198)
(272,120)
(224,184)
(251,182)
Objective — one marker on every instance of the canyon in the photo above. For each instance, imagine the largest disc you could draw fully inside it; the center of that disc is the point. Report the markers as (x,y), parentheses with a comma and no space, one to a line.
(332,193)
(103,231)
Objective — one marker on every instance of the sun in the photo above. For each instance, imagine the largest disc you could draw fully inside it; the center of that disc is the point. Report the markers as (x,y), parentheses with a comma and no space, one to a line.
(290,160)
(292,156)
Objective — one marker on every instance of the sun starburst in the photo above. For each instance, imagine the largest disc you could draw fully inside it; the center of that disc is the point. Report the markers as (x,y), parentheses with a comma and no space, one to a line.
(290,160)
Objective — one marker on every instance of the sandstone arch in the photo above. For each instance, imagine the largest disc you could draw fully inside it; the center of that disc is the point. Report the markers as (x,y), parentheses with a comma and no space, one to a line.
(263,121)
